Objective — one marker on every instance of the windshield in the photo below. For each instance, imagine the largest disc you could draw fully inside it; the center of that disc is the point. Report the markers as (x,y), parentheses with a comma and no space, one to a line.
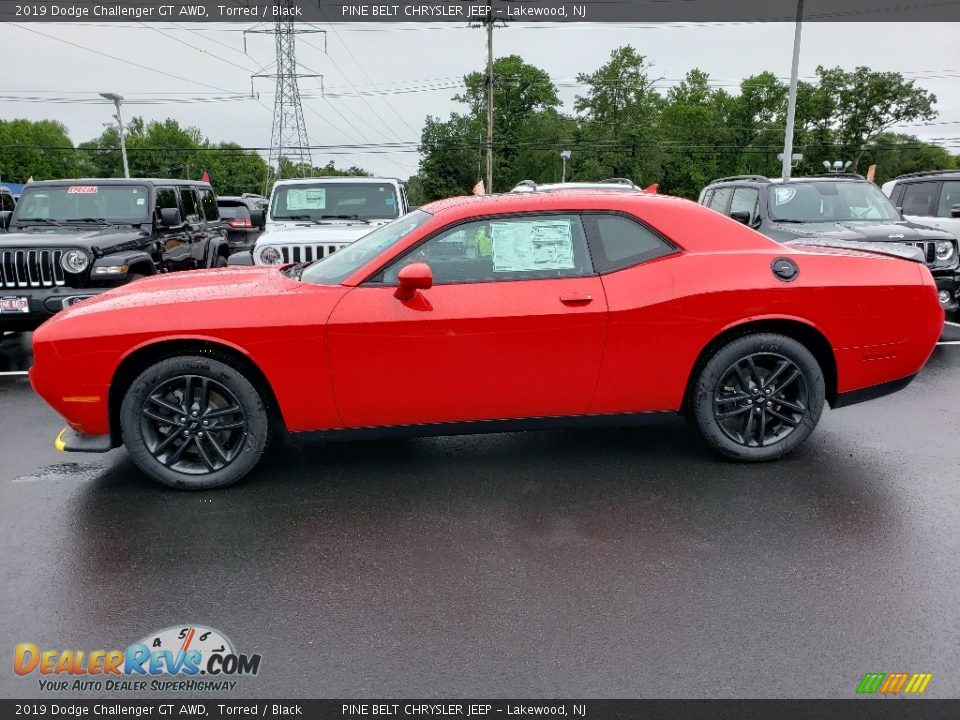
(122,204)
(830,201)
(336,268)
(314,201)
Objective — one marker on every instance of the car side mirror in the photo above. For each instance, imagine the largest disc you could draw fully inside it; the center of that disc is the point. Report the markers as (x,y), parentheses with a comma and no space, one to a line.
(410,279)
(5,216)
(955,211)
(170,217)
(256,217)
(741,216)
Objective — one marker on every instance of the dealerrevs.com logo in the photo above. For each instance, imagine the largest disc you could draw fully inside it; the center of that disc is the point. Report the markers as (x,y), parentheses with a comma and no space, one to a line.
(186,657)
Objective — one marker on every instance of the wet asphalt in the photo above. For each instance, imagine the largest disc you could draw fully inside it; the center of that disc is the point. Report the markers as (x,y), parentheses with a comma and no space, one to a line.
(630,563)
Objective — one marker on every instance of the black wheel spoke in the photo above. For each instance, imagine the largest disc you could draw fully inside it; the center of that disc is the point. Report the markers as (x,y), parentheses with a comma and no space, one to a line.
(759,398)
(165,405)
(210,424)
(784,418)
(733,413)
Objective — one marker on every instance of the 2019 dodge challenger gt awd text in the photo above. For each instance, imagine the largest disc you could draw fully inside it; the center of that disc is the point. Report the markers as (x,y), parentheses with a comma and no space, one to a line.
(488,314)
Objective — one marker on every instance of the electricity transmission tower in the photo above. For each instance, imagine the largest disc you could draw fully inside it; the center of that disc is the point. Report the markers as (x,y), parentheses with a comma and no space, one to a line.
(288,138)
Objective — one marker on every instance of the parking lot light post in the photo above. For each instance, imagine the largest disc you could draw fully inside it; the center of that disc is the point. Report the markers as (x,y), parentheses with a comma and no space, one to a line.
(565,155)
(792,98)
(117,100)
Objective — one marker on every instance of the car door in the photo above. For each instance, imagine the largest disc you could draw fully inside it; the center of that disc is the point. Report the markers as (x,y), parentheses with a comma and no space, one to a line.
(174,242)
(513,327)
(196,225)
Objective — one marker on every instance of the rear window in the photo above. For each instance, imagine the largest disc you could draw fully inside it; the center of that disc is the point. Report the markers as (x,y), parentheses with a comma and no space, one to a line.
(230,212)
(623,242)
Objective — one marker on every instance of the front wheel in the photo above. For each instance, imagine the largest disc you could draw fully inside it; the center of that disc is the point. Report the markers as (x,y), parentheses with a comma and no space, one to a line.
(194,423)
(758,397)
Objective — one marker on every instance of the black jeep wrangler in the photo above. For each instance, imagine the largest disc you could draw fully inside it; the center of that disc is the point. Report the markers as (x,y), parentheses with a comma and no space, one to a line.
(840,207)
(70,239)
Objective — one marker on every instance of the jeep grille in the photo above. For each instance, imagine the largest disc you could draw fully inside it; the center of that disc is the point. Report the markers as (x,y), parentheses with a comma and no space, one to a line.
(308,253)
(929,249)
(31,268)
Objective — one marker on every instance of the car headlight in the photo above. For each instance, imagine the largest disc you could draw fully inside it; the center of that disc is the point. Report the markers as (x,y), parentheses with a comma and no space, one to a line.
(74,261)
(270,256)
(944,250)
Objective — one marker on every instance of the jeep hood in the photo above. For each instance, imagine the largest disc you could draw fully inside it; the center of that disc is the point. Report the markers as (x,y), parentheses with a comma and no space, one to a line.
(865,231)
(99,239)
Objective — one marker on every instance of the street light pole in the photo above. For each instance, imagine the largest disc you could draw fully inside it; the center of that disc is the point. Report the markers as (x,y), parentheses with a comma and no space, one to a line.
(565,155)
(117,100)
(792,98)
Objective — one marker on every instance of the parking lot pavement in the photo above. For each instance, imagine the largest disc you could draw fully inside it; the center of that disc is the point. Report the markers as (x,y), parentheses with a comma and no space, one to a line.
(627,563)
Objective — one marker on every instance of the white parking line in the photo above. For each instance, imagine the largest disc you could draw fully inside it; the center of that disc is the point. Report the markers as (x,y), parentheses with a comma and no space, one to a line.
(947,322)
(13,372)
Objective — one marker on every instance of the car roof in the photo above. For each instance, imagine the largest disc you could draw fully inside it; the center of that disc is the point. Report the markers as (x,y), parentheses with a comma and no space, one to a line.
(763,180)
(574,200)
(118,181)
(929,175)
(336,179)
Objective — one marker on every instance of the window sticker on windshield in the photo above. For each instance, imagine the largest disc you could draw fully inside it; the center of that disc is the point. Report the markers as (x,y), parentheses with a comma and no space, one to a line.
(141,201)
(306,199)
(783,195)
(533,245)
(389,202)
(82,189)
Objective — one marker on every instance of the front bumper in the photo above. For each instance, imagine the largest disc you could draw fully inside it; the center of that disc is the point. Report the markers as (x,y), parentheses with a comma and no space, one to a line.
(948,282)
(42,304)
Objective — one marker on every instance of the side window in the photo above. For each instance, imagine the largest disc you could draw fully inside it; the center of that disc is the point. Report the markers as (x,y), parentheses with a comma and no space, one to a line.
(165,197)
(191,212)
(949,198)
(721,200)
(531,247)
(918,198)
(209,204)
(746,199)
(7,203)
(619,242)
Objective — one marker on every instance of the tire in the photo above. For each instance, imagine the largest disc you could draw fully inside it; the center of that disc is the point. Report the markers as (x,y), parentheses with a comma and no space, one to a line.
(758,397)
(220,262)
(154,434)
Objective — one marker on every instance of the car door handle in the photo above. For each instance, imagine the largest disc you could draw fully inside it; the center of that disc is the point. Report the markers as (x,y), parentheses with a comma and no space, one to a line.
(576,298)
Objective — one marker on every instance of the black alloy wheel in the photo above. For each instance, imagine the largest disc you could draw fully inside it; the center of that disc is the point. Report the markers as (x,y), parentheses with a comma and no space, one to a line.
(758,397)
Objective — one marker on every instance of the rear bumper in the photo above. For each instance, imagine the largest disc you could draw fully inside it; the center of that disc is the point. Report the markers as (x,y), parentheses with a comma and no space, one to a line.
(871,393)
(43,304)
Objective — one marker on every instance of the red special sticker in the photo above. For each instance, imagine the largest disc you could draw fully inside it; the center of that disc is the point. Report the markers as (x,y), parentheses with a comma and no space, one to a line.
(82,189)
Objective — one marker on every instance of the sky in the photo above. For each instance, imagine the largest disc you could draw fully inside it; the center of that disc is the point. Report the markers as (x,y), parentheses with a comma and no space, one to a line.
(380,81)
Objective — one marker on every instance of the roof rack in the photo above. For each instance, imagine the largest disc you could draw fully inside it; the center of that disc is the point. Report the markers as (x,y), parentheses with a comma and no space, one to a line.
(757,178)
(927,172)
(848,175)
(618,181)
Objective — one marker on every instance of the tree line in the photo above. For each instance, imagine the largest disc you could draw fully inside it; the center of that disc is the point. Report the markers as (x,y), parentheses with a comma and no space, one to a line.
(695,132)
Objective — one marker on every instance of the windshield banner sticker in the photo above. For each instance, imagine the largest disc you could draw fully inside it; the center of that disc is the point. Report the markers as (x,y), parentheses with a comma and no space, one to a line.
(82,189)
(534,245)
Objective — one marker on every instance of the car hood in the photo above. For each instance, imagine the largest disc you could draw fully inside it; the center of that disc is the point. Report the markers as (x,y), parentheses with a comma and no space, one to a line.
(313,234)
(94,239)
(866,231)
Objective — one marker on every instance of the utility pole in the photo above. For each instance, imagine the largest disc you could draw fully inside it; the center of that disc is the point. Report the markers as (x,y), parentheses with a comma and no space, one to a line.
(117,101)
(488,22)
(792,98)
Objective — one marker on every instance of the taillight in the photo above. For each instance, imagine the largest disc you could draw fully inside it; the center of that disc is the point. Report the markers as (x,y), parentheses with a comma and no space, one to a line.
(240,223)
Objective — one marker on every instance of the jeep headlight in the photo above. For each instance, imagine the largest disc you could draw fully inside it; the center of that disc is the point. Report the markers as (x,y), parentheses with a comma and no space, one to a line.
(74,261)
(944,250)
(270,256)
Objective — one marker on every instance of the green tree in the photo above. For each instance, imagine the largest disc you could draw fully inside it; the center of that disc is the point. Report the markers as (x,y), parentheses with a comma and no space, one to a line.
(39,149)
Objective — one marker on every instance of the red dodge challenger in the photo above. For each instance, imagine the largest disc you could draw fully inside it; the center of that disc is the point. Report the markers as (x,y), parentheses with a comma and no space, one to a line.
(489,314)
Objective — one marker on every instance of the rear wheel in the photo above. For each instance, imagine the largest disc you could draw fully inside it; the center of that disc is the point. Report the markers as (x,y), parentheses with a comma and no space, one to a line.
(758,397)
(194,423)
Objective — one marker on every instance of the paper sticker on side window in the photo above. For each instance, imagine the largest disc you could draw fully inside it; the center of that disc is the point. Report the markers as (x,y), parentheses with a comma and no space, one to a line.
(534,245)
(82,189)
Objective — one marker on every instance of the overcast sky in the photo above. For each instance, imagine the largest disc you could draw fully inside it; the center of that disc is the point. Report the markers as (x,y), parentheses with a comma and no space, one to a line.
(369,57)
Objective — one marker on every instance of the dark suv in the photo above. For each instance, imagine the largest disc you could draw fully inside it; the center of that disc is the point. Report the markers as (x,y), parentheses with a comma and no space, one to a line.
(71,239)
(837,207)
